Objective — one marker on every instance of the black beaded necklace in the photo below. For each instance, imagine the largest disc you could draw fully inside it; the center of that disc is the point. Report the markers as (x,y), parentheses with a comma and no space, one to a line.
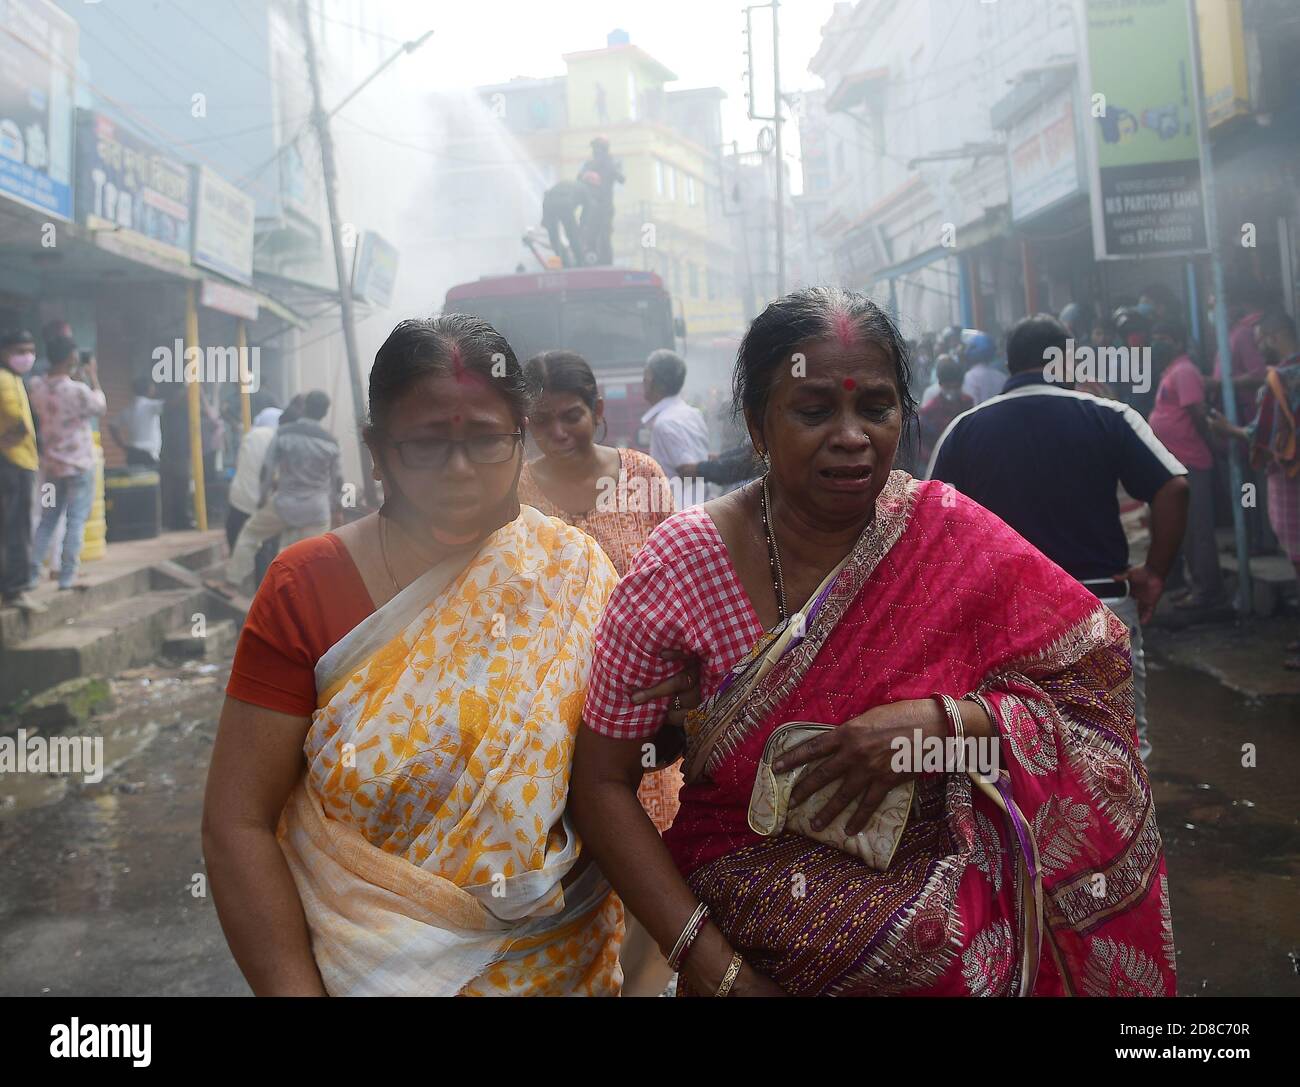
(773,555)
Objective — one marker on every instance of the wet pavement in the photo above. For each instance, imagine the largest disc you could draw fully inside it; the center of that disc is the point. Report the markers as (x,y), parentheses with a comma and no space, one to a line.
(97,882)
(1232,832)
(100,890)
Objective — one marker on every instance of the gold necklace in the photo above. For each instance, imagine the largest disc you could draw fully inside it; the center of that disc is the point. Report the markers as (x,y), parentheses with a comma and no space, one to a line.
(383,551)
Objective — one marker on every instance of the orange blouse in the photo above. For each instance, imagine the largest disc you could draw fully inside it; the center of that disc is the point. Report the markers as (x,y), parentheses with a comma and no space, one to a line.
(641,498)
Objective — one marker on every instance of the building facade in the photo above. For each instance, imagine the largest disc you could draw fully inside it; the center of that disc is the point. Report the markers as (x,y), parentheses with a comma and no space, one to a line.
(669,214)
(954,138)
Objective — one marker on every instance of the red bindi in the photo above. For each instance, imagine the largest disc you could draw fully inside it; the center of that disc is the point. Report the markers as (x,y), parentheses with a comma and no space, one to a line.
(455,419)
(850,384)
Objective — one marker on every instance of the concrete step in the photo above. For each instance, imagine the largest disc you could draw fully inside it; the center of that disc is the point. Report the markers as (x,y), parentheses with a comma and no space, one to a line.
(110,581)
(101,641)
(17,626)
(215,639)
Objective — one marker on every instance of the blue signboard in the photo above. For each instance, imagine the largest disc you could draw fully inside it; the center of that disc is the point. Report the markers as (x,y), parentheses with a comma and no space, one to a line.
(38,54)
(128,186)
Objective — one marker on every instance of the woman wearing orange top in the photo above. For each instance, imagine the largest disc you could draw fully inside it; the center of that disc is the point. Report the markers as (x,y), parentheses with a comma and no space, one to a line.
(385,809)
(618,497)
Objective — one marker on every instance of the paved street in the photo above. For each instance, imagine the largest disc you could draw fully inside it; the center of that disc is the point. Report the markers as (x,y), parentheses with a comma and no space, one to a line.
(96,880)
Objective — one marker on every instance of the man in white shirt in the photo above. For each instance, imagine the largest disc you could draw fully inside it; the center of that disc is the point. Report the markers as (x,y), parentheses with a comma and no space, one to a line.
(138,428)
(679,436)
(246,487)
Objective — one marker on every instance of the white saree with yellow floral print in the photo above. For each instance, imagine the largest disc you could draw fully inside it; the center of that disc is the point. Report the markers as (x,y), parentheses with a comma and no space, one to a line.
(427,838)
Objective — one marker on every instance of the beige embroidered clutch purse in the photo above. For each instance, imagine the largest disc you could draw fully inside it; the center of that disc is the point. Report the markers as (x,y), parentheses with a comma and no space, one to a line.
(770,812)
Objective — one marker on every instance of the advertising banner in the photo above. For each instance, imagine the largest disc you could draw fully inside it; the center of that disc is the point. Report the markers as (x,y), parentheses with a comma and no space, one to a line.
(128,186)
(224,218)
(1223,60)
(1144,149)
(38,56)
(225,298)
(376,270)
(1044,161)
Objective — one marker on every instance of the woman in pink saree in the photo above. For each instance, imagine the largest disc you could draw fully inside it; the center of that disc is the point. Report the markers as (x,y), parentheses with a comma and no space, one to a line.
(839,592)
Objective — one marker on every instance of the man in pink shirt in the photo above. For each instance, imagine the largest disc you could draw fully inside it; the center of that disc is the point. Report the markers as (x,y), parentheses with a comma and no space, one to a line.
(64,409)
(1180,421)
(1247,301)
(1248,365)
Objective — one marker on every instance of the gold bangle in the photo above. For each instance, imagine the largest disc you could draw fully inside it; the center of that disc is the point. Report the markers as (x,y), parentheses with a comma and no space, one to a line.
(729,978)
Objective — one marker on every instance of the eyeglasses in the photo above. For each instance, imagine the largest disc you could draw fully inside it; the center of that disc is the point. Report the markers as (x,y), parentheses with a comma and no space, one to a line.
(436,452)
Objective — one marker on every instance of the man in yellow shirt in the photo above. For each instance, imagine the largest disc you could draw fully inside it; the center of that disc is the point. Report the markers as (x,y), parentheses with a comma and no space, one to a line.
(18,464)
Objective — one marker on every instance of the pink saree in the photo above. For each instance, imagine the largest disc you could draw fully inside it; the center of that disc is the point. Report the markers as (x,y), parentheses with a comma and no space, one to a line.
(941,596)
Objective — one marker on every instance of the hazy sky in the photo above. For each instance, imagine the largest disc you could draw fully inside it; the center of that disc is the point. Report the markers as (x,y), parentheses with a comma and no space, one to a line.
(700,40)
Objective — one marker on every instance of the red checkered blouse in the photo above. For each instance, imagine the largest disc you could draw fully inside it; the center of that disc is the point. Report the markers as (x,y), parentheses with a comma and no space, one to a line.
(682,592)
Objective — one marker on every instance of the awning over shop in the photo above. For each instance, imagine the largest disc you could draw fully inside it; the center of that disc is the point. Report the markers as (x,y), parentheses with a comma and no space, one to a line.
(993,224)
(913,264)
(39,257)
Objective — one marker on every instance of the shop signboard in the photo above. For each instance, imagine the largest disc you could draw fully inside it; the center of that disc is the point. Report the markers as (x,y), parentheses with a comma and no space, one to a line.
(1148,199)
(38,56)
(1223,60)
(226,298)
(224,218)
(129,187)
(1045,167)
(376,270)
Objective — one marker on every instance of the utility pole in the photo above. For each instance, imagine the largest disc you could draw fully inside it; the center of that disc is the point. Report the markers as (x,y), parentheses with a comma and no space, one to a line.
(780,160)
(1222,332)
(321,122)
(776,120)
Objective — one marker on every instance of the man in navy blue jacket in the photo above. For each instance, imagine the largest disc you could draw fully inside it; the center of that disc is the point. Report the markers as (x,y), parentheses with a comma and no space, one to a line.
(1049,461)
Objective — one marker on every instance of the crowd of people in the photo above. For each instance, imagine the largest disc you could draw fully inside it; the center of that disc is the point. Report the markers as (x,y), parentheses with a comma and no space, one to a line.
(287,484)
(519,731)
(507,736)
(46,433)
(1179,400)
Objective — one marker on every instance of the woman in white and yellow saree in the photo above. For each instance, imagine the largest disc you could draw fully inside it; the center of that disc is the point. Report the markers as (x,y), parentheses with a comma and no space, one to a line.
(427,838)
(386,802)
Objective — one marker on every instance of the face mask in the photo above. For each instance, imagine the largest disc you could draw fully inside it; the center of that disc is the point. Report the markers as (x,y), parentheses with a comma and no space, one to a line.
(21,364)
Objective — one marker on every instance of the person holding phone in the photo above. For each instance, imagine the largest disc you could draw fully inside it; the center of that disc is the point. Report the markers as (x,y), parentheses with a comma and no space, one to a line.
(64,409)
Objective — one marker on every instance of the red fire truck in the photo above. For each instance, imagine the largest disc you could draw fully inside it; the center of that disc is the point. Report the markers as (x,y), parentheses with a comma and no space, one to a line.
(612,317)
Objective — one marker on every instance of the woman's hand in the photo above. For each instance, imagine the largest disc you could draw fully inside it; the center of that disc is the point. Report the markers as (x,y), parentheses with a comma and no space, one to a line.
(684,688)
(707,963)
(749,982)
(859,754)
(1220,426)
